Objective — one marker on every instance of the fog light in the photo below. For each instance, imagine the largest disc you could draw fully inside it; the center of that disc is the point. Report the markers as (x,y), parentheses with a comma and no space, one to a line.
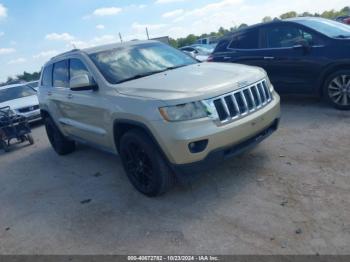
(198,146)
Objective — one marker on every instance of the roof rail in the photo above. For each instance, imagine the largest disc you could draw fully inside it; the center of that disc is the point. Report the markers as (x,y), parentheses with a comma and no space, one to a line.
(65,53)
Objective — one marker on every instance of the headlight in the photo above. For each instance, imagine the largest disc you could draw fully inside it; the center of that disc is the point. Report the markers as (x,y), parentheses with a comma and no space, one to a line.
(188,111)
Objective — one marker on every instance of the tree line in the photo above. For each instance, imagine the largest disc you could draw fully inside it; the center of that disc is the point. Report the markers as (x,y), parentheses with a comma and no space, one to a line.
(191,39)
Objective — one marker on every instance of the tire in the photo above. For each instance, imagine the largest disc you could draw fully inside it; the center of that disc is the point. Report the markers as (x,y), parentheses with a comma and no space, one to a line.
(30,139)
(336,89)
(4,146)
(144,165)
(60,144)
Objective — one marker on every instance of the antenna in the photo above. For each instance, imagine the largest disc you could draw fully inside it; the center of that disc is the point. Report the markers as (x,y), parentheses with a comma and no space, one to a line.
(147,33)
(74,47)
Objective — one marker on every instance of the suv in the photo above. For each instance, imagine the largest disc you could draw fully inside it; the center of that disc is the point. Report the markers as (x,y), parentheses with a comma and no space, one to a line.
(166,114)
(300,55)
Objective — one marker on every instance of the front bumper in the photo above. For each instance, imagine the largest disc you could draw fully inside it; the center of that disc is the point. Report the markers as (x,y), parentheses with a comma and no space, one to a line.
(219,155)
(174,138)
(32,116)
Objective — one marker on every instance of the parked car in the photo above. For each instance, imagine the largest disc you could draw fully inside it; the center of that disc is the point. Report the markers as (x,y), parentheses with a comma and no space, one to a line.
(344,19)
(163,111)
(200,52)
(347,21)
(207,40)
(300,55)
(21,99)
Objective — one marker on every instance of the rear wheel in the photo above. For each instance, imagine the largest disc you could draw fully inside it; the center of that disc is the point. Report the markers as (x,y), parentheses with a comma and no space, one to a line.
(337,89)
(59,142)
(144,165)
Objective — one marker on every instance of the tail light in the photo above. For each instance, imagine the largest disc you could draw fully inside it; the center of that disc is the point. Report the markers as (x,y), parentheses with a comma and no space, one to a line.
(210,58)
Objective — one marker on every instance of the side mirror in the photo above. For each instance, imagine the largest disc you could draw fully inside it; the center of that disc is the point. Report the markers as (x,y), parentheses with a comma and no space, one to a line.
(303,44)
(82,82)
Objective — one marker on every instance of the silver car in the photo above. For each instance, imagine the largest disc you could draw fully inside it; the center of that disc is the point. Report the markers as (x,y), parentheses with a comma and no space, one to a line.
(22,99)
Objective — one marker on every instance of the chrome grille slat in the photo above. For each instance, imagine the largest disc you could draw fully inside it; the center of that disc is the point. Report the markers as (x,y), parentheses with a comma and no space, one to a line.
(235,105)
(252,98)
(224,104)
(239,103)
(258,94)
(244,101)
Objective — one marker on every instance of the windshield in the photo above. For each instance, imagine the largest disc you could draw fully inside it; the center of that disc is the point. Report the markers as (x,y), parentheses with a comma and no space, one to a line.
(127,63)
(328,27)
(15,93)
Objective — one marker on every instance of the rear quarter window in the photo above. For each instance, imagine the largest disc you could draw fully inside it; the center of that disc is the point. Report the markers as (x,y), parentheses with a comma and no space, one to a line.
(222,45)
(245,40)
(47,76)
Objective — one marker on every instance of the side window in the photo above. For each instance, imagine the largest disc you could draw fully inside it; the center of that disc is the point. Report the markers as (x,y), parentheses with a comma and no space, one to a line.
(245,40)
(60,74)
(287,36)
(222,45)
(47,76)
(77,68)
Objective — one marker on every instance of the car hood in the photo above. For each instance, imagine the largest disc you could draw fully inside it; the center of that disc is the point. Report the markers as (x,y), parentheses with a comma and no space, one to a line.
(198,81)
(21,102)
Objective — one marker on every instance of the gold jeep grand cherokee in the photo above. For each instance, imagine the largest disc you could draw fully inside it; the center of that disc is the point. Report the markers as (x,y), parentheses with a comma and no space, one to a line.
(166,114)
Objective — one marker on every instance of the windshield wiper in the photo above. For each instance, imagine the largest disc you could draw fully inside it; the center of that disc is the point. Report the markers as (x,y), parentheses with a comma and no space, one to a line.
(173,67)
(149,73)
(139,76)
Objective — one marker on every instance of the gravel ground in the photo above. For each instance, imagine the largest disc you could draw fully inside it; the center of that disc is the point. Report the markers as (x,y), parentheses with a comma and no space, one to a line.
(290,195)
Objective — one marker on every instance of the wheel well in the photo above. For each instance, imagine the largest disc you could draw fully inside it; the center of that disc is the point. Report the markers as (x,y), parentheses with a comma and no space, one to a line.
(120,128)
(330,71)
(44,114)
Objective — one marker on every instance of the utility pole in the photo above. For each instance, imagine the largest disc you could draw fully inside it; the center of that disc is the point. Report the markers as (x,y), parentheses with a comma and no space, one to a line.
(120,37)
(147,33)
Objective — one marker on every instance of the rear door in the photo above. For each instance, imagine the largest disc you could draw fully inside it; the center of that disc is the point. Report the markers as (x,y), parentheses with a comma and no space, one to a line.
(58,94)
(243,47)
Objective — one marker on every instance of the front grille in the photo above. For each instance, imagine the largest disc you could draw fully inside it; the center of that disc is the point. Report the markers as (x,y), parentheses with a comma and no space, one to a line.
(241,102)
(28,109)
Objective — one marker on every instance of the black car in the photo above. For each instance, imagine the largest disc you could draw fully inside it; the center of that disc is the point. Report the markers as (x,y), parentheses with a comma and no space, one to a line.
(300,55)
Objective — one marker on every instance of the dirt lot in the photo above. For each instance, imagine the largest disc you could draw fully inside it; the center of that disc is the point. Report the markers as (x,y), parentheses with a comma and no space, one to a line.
(289,195)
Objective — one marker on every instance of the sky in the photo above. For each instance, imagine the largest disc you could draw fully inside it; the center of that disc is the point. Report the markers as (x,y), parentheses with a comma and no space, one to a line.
(31,32)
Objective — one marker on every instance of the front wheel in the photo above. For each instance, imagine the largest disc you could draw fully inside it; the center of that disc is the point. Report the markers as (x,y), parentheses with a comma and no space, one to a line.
(144,165)
(59,142)
(337,89)
(30,139)
(4,145)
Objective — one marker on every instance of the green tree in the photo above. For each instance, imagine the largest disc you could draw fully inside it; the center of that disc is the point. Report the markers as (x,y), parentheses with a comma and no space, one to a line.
(305,14)
(173,42)
(288,15)
(241,26)
(267,19)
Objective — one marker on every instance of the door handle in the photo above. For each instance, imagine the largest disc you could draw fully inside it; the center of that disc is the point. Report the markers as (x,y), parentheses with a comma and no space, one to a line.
(49,93)
(70,96)
(227,57)
(268,58)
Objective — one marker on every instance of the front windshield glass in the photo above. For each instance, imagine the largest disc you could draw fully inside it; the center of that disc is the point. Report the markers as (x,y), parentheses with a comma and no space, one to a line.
(328,27)
(124,63)
(15,93)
